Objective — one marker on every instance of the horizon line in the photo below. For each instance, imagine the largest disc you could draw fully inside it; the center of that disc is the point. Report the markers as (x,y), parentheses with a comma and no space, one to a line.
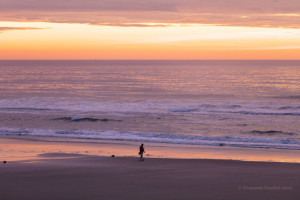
(150,60)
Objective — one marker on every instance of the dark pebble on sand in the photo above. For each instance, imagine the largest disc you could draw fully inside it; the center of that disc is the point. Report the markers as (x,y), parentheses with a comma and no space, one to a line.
(113,156)
(4,161)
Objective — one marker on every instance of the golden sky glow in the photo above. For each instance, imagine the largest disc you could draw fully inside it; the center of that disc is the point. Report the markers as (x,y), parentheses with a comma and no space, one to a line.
(123,33)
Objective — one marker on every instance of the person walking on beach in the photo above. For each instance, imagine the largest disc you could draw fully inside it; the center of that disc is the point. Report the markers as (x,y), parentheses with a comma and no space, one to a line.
(142,151)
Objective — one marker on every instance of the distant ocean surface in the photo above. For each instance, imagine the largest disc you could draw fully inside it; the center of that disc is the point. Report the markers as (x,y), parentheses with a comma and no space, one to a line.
(253,104)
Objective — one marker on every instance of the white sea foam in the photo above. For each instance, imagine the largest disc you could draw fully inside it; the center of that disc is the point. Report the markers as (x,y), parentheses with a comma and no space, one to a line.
(234,141)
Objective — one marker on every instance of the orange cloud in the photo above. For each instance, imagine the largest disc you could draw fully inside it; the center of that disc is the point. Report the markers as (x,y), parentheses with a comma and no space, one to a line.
(2,29)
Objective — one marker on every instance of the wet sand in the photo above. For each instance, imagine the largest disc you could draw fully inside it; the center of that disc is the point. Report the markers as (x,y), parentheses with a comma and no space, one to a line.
(74,176)
(13,148)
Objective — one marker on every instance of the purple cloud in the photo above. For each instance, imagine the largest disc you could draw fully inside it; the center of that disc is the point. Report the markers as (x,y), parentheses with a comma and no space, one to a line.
(261,13)
(87,5)
(251,6)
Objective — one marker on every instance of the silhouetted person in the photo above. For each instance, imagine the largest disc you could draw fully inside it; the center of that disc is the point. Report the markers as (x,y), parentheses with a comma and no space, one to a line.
(142,151)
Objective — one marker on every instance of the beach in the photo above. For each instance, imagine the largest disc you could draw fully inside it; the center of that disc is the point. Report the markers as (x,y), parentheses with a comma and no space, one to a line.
(75,176)
(40,169)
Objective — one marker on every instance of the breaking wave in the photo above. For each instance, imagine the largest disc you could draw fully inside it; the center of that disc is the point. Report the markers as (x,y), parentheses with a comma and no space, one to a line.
(233,141)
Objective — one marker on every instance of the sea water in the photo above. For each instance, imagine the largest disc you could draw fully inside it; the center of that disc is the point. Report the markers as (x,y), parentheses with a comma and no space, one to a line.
(252,104)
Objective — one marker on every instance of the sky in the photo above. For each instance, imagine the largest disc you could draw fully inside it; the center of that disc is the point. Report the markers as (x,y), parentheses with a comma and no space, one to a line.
(150,29)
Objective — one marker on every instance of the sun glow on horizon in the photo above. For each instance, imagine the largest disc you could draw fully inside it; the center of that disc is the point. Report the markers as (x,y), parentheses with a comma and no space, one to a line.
(45,40)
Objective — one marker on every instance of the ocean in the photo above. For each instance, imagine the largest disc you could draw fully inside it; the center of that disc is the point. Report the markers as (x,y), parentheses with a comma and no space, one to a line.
(249,104)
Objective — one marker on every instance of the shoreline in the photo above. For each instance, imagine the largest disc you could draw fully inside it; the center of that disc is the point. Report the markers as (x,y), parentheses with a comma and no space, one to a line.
(19,147)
